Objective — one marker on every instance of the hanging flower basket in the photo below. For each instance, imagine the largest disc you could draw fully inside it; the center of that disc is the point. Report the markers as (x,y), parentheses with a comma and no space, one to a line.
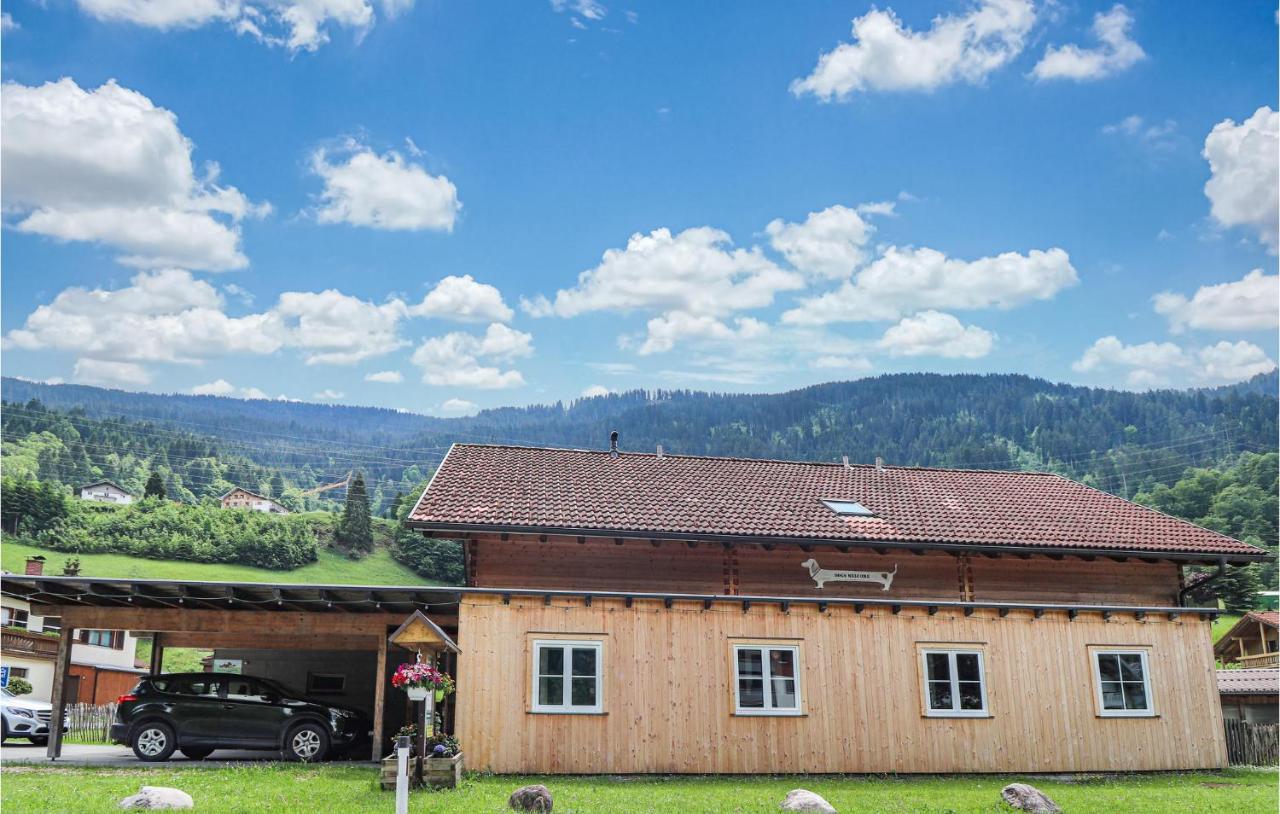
(419,680)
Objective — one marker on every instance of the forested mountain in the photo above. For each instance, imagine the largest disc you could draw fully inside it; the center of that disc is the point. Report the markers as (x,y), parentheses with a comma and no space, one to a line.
(1119,441)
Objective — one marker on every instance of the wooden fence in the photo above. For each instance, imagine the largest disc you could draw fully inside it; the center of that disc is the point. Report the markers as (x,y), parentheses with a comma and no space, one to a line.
(89,722)
(1253,744)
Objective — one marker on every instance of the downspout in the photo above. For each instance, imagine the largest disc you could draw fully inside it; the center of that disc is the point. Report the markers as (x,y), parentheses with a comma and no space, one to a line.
(1222,570)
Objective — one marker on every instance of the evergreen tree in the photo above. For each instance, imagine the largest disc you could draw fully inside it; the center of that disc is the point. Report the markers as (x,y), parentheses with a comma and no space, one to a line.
(155,486)
(355,528)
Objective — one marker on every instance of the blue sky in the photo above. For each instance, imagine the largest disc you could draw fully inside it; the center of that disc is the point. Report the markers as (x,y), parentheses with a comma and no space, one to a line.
(444,206)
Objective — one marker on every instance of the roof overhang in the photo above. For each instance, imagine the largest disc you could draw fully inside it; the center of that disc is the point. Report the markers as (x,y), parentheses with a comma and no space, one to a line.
(991,549)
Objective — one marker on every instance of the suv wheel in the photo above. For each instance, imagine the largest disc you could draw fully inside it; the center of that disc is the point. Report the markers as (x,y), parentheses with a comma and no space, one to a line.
(40,740)
(153,741)
(307,742)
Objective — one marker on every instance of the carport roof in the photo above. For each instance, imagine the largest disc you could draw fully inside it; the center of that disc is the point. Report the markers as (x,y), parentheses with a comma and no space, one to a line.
(104,592)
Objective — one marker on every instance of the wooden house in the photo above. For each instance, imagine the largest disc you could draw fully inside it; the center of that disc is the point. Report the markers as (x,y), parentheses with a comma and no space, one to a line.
(1251,695)
(664,613)
(1254,641)
(631,613)
(240,498)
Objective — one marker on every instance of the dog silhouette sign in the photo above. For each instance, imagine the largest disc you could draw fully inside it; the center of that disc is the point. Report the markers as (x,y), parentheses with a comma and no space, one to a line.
(821,576)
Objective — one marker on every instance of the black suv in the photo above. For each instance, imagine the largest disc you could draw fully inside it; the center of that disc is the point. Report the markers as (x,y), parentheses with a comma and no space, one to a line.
(199,712)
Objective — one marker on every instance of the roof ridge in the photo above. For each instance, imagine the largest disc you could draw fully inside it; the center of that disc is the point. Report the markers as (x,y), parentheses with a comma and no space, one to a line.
(630,453)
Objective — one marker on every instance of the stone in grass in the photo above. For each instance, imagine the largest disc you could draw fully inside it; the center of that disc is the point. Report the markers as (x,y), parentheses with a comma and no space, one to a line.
(805,800)
(1029,798)
(158,797)
(530,798)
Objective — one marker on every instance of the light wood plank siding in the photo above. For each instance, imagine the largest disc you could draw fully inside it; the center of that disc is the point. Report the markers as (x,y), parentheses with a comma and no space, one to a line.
(668,701)
(637,565)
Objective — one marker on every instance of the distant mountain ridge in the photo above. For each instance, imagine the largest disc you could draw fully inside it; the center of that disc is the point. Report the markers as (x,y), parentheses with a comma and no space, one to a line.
(1120,441)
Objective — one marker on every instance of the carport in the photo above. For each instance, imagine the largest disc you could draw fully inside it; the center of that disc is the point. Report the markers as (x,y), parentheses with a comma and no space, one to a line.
(335,621)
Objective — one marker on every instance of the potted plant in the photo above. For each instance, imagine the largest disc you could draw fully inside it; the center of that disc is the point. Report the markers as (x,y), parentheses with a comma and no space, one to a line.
(419,679)
(390,763)
(443,767)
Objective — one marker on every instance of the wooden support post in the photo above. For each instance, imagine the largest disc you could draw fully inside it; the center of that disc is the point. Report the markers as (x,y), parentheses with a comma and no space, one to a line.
(157,654)
(58,698)
(380,698)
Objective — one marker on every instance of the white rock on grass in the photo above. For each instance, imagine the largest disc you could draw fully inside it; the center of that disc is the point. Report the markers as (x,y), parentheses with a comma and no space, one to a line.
(158,797)
(1029,798)
(805,800)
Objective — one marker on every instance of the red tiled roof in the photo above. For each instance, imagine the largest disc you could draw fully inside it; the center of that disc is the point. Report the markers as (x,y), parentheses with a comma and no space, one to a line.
(1271,618)
(580,490)
(1249,682)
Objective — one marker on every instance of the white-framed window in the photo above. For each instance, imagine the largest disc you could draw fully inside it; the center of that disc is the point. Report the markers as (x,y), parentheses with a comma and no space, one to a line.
(766,679)
(954,683)
(567,676)
(1122,679)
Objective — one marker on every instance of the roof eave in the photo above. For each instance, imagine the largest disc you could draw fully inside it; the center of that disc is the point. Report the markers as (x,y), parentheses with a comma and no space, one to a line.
(1238,558)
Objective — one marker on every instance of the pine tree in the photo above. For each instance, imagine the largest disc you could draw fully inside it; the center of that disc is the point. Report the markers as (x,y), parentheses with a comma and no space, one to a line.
(355,528)
(154,487)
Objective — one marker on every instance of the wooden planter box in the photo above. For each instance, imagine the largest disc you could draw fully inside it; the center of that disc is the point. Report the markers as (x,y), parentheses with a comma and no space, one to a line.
(442,772)
(388,777)
(436,772)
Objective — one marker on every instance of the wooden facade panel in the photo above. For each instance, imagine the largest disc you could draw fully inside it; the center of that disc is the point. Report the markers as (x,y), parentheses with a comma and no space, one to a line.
(668,700)
(637,565)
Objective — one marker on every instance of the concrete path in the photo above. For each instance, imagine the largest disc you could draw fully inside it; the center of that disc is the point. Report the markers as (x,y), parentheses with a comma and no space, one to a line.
(15,753)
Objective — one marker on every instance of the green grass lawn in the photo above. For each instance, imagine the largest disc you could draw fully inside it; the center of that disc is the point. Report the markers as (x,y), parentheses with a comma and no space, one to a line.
(1224,623)
(351,789)
(332,568)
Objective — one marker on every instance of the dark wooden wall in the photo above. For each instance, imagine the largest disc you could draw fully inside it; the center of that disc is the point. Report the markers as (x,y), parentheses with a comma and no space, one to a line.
(638,565)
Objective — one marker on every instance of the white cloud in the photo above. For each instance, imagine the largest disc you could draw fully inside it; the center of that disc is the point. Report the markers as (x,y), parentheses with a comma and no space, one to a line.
(905,280)
(452,408)
(850,363)
(329,395)
(1159,136)
(613,368)
(7,23)
(589,9)
(384,191)
(831,243)
(1156,364)
(1244,159)
(385,377)
(109,374)
(1251,303)
(595,390)
(1116,51)
(693,271)
(162,316)
(108,166)
(464,300)
(299,25)
(933,333)
(222,387)
(664,332)
(885,56)
(462,360)
(339,329)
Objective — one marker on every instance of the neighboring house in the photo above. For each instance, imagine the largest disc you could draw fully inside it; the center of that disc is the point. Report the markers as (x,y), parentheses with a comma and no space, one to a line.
(104,491)
(239,498)
(102,661)
(637,613)
(1254,641)
(1250,695)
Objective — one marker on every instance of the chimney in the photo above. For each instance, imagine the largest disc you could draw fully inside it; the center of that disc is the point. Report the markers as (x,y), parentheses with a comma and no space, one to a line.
(35,566)
(879,464)
(613,443)
(659,450)
(846,461)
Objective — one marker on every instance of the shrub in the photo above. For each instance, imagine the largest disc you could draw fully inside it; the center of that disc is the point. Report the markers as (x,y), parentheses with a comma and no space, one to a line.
(19,686)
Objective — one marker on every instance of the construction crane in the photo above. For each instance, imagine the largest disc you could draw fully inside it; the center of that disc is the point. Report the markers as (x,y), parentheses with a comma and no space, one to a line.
(326,487)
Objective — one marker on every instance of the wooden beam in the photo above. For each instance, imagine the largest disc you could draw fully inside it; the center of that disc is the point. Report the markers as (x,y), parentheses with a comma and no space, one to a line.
(257,641)
(157,653)
(61,665)
(264,623)
(380,699)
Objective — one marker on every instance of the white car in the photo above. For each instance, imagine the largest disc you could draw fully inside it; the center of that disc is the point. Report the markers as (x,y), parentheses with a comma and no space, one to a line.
(25,718)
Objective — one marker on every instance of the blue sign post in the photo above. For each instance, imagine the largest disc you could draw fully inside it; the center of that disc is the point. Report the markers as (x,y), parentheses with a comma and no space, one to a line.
(4,676)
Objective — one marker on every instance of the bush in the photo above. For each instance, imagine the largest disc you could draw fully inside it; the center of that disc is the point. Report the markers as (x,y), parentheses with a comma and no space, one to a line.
(162,530)
(19,686)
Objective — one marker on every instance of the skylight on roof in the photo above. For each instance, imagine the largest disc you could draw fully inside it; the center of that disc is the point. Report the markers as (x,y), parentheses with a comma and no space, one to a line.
(851,508)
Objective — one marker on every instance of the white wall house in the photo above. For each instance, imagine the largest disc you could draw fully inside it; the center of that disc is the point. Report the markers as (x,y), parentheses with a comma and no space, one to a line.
(239,498)
(104,491)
